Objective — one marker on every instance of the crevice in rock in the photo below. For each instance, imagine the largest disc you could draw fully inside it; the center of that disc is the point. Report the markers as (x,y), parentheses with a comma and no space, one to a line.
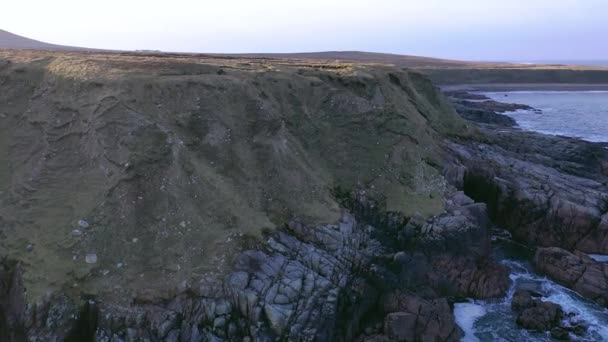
(482,189)
(85,326)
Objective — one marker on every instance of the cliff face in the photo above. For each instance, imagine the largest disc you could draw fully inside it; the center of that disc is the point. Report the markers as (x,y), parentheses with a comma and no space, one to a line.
(191,198)
(180,197)
(120,172)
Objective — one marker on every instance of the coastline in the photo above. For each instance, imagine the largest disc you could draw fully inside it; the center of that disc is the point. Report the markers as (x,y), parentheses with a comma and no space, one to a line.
(525,87)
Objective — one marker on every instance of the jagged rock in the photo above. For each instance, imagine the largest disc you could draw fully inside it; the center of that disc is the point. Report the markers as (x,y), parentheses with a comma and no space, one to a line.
(538,315)
(470,277)
(543,316)
(411,318)
(548,191)
(292,289)
(400,326)
(576,271)
(522,299)
(484,116)
(461,262)
(299,282)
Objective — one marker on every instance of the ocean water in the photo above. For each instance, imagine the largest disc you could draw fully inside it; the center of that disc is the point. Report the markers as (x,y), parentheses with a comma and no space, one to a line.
(582,114)
(580,62)
(493,320)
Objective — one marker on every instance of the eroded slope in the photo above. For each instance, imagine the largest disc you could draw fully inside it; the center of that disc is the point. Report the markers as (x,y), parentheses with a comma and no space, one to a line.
(156,169)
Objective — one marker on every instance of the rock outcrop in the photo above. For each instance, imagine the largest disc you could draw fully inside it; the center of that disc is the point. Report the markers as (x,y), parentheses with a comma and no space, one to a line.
(306,283)
(411,318)
(576,271)
(544,316)
(484,116)
(452,253)
(483,110)
(548,191)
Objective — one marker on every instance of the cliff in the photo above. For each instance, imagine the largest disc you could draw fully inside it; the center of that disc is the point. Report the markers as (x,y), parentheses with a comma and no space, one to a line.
(178,197)
(129,178)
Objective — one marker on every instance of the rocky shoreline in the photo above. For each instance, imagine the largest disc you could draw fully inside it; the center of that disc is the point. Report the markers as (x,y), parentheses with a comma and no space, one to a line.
(374,274)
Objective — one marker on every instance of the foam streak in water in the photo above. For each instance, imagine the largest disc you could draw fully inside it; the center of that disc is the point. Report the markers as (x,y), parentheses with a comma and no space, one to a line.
(466,314)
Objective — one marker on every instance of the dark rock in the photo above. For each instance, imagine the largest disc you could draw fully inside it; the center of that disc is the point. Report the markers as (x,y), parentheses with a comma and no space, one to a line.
(547,191)
(400,326)
(413,318)
(465,95)
(541,317)
(560,334)
(576,271)
(495,106)
(522,299)
(484,116)
(535,314)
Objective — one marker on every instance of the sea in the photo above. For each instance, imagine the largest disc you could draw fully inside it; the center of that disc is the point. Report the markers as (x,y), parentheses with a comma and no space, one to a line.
(493,320)
(582,114)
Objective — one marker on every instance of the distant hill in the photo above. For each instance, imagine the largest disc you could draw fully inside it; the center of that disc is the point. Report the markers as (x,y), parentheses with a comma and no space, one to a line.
(12,41)
(369,57)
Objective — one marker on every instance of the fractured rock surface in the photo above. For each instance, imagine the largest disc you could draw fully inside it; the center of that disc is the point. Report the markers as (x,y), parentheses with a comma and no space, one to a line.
(576,271)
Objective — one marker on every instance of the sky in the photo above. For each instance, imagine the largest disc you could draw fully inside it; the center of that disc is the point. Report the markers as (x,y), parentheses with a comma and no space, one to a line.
(490,30)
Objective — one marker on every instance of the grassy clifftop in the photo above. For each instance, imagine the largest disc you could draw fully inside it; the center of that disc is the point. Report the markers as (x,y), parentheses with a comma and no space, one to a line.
(120,172)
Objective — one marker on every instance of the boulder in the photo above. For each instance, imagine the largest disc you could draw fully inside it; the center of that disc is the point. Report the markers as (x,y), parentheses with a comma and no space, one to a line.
(541,316)
(538,315)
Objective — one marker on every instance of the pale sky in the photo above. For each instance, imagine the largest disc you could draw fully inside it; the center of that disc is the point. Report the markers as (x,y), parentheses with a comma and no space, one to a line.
(459,29)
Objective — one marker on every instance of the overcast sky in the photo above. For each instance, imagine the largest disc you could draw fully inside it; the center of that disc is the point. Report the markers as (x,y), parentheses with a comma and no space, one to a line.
(460,29)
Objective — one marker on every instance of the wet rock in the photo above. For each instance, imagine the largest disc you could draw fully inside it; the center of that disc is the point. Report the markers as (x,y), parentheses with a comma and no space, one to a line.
(542,316)
(522,299)
(538,315)
(412,318)
(576,271)
(83,224)
(535,314)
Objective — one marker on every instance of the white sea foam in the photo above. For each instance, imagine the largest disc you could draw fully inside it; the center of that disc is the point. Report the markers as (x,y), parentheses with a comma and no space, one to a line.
(466,314)
(495,321)
(585,311)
